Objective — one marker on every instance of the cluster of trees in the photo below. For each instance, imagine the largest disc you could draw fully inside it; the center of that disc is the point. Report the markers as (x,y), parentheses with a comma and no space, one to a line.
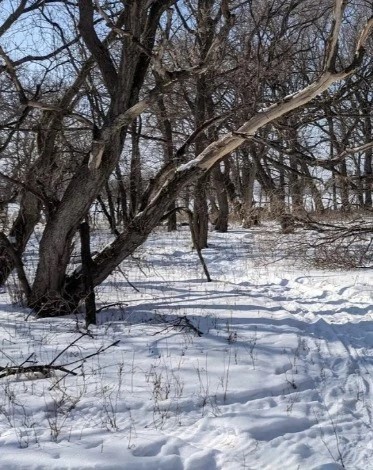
(144,106)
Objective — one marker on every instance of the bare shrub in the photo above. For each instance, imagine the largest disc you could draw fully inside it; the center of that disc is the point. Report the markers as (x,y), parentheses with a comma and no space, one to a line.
(344,254)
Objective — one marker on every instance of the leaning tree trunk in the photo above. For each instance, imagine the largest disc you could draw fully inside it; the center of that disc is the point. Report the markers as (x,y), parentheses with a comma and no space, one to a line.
(124,87)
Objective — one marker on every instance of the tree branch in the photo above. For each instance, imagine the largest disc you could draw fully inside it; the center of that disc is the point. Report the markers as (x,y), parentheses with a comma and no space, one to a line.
(96,47)
(332,46)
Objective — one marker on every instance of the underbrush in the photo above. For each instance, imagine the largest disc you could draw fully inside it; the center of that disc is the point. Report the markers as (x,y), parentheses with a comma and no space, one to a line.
(323,244)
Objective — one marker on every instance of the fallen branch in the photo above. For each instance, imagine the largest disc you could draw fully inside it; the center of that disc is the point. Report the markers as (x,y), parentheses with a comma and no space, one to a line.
(116,304)
(47,370)
(182,323)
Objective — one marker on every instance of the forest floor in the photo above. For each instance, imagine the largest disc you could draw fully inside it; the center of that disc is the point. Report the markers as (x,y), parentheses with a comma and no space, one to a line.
(270,366)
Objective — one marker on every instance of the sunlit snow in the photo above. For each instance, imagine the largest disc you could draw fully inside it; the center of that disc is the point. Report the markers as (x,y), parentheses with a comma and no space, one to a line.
(281,377)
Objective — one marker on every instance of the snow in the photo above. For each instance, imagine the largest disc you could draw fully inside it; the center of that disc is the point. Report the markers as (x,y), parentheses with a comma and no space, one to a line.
(189,165)
(280,378)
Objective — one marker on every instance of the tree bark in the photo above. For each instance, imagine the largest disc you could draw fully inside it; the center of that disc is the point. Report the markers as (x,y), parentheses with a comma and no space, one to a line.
(168,150)
(221,223)
(90,301)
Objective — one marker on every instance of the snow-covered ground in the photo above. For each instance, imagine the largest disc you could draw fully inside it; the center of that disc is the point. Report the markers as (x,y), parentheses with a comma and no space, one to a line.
(280,378)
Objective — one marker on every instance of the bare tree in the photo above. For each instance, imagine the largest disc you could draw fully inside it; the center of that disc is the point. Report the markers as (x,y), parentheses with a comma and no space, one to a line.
(116,47)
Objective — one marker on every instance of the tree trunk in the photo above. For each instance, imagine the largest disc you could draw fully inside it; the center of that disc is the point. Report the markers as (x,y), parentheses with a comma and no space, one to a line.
(87,264)
(344,187)
(295,186)
(31,203)
(315,192)
(168,151)
(135,169)
(122,198)
(200,213)
(23,227)
(221,223)
(249,169)
(368,167)
(124,87)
